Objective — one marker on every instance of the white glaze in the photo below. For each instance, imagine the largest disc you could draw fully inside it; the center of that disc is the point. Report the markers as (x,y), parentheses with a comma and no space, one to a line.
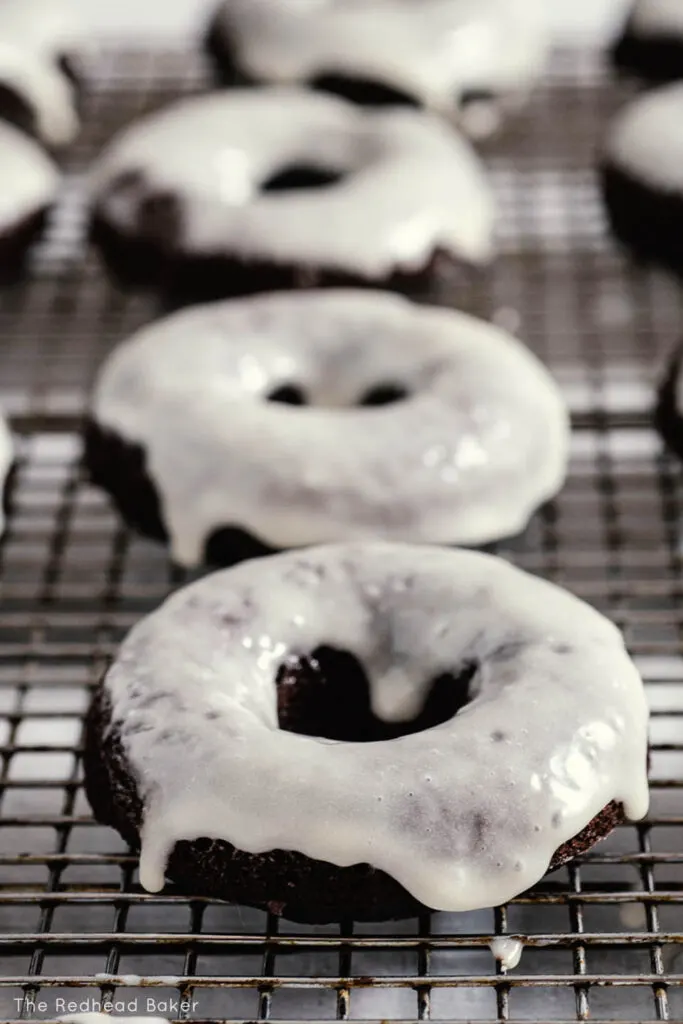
(33,35)
(657,18)
(6,460)
(413,185)
(507,951)
(481,442)
(433,50)
(465,815)
(28,177)
(646,138)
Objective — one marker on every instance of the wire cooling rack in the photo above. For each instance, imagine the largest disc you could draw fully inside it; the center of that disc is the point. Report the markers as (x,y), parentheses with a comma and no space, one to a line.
(603,937)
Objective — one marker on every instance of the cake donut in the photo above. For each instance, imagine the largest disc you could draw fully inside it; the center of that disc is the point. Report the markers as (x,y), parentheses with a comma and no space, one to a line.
(642,175)
(366,731)
(471,60)
(251,189)
(28,187)
(40,86)
(471,436)
(651,44)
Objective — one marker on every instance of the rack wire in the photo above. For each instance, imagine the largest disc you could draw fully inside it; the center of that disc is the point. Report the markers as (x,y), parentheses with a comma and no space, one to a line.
(603,937)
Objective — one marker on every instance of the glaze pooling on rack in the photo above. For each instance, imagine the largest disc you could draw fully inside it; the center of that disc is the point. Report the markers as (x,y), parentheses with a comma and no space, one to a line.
(34,35)
(464,815)
(409,185)
(436,51)
(507,951)
(28,178)
(480,441)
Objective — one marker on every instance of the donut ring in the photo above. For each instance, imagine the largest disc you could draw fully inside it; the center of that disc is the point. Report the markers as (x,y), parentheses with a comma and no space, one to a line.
(476,441)
(470,61)
(249,189)
(532,732)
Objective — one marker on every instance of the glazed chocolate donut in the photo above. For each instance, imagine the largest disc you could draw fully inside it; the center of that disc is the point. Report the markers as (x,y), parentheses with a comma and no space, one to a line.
(28,186)
(246,190)
(471,60)
(40,88)
(366,730)
(642,176)
(651,43)
(471,438)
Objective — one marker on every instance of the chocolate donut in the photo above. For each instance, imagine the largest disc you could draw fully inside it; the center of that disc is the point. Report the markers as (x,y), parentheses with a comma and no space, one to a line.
(651,43)
(470,60)
(28,186)
(642,176)
(40,86)
(367,730)
(248,190)
(309,417)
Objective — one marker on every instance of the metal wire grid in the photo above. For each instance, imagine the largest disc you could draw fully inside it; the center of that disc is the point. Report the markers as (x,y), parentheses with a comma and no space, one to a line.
(604,937)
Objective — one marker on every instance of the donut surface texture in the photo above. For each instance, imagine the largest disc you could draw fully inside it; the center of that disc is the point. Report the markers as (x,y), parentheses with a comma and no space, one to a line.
(446,55)
(252,182)
(643,175)
(475,440)
(28,186)
(651,44)
(502,717)
(39,87)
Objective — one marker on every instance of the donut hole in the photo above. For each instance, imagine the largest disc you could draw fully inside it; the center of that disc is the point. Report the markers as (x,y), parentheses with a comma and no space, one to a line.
(378,394)
(300,176)
(288,394)
(470,97)
(327,694)
(364,91)
(384,394)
